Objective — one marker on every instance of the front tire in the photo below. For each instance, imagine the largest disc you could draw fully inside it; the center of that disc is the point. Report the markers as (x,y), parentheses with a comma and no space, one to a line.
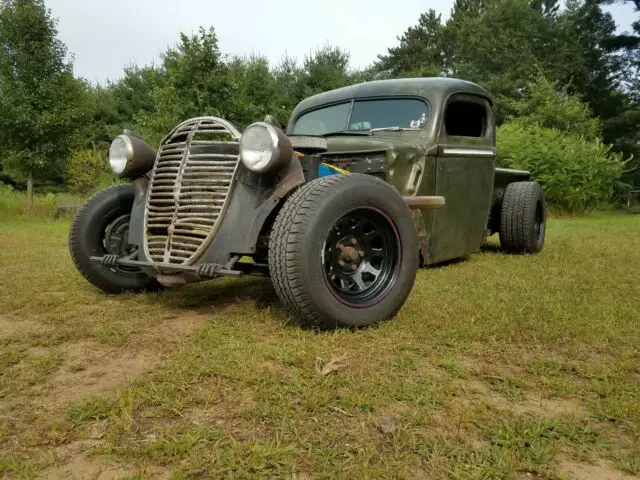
(343,252)
(101,227)
(523,218)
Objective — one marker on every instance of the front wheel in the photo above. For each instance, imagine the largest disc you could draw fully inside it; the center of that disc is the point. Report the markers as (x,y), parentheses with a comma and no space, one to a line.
(343,252)
(101,227)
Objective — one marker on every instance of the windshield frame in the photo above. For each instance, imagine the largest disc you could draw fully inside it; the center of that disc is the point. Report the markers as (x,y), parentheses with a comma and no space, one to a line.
(351,101)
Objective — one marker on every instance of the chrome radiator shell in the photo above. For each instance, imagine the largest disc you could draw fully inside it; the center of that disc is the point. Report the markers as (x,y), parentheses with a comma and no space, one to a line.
(189,189)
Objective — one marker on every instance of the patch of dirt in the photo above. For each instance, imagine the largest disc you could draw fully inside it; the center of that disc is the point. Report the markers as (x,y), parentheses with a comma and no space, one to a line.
(544,407)
(547,407)
(451,422)
(90,368)
(73,462)
(172,330)
(231,412)
(585,471)
(101,371)
(11,327)
(38,352)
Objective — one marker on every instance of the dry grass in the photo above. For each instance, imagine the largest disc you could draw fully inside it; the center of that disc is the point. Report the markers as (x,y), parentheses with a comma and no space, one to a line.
(497,367)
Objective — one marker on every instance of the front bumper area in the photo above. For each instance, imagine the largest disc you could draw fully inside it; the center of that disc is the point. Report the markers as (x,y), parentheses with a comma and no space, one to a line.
(187,273)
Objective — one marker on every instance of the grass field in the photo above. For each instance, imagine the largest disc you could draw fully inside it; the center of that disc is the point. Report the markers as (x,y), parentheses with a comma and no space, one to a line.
(497,367)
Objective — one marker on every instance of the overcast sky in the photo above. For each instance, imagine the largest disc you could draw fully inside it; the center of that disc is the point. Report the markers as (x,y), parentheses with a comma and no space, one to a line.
(106,35)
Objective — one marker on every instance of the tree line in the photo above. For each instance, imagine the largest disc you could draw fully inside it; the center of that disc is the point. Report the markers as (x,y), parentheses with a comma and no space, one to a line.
(567,90)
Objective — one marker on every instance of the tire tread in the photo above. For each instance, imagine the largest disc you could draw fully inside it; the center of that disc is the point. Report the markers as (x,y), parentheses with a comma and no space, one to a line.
(518,216)
(75,244)
(287,234)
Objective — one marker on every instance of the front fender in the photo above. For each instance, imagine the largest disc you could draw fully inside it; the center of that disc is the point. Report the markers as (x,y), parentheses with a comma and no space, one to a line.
(253,200)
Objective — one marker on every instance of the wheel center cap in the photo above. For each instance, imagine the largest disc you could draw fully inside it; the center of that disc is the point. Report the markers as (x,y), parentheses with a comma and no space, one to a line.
(350,254)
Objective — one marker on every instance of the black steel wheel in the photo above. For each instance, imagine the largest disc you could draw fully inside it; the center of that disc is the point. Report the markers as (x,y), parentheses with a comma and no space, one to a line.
(523,218)
(343,252)
(361,256)
(101,227)
(114,240)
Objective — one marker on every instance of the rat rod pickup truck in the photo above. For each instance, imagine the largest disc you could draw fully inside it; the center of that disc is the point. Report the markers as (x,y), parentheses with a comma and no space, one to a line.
(340,208)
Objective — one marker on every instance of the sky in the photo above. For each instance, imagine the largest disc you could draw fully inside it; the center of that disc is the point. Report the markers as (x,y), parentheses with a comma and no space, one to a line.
(106,35)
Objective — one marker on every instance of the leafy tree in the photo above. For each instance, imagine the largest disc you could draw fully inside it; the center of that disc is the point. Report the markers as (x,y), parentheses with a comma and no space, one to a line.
(546,104)
(133,93)
(88,168)
(194,82)
(327,68)
(40,100)
(501,44)
(255,91)
(554,135)
(287,76)
(604,75)
(576,174)
(421,51)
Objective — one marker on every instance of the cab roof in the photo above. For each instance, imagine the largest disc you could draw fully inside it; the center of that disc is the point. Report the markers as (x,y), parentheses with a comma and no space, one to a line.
(434,89)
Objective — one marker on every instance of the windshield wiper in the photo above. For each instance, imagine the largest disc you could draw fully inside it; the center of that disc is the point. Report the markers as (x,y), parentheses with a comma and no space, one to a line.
(347,132)
(395,129)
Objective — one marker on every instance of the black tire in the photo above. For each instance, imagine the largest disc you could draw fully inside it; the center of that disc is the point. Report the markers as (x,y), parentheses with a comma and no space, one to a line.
(304,264)
(523,218)
(110,207)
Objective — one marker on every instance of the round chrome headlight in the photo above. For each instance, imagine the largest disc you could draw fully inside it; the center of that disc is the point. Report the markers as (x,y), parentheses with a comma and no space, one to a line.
(264,148)
(130,156)
(120,153)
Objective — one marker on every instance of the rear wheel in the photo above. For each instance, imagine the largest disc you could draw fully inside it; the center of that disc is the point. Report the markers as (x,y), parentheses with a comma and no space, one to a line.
(99,228)
(523,218)
(343,252)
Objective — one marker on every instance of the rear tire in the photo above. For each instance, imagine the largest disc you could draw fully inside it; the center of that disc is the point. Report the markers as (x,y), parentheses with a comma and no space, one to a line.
(523,218)
(343,252)
(101,227)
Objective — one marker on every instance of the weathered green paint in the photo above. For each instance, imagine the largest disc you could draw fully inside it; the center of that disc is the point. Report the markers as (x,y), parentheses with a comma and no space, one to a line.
(435,90)
(428,162)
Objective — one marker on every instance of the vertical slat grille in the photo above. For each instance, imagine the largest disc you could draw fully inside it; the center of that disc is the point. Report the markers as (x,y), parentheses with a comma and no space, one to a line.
(189,189)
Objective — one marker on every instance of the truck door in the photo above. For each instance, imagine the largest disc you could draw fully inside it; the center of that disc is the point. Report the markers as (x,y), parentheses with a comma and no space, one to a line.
(464,176)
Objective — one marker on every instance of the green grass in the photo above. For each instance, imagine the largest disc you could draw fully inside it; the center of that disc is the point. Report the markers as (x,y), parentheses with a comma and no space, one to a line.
(498,366)
(13,204)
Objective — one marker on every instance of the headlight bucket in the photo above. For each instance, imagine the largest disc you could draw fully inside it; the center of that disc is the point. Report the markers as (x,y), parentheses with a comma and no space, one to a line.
(130,156)
(264,148)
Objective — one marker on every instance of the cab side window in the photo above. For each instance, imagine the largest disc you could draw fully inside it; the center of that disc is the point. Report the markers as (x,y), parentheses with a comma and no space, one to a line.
(465,118)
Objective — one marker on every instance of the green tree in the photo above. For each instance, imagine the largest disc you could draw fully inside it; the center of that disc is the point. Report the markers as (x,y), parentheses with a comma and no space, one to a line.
(501,44)
(255,92)
(576,174)
(327,68)
(40,100)
(547,104)
(194,82)
(87,169)
(133,93)
(421,51)
(555,136)
(606,74)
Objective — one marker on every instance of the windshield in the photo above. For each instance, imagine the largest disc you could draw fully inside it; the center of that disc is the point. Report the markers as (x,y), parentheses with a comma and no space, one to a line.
(365,115)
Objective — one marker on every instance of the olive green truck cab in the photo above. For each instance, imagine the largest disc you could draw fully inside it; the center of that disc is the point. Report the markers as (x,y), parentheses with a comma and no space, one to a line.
(364,185)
